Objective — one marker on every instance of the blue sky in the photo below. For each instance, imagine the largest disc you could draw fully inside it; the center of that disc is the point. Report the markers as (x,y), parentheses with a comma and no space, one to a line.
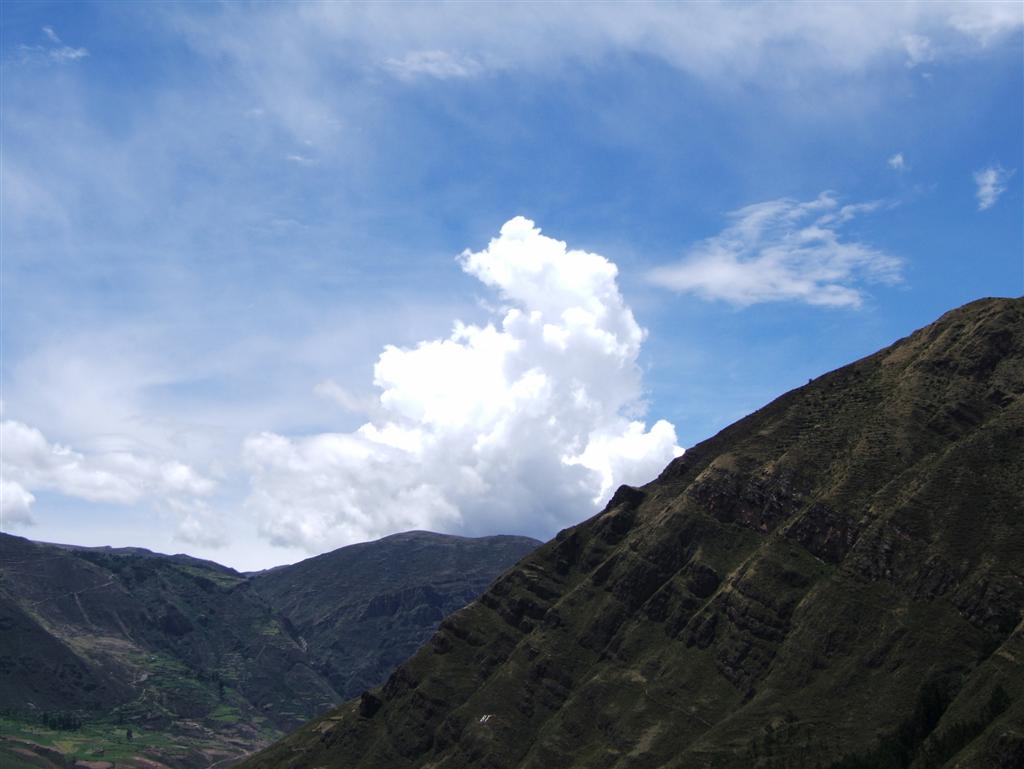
(216,217)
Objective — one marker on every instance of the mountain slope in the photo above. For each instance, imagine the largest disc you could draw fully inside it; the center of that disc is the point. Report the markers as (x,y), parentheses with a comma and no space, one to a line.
(835,580)
(396,591)
(190,648)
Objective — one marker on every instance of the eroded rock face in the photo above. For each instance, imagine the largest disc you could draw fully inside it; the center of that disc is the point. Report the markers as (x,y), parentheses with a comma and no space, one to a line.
(759,502)
(825,533)
(835,576)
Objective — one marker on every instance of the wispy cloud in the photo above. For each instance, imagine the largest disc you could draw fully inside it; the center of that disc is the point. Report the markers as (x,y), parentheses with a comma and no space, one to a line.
(291,54)
(340,396)
(301,160)
(897,162)
(39,54)
(919,50)
(52,52)
(985,22)
(436,64)
(783,250)
(991,183)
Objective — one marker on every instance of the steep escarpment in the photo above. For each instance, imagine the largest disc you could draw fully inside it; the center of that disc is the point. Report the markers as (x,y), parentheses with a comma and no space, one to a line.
(836,580)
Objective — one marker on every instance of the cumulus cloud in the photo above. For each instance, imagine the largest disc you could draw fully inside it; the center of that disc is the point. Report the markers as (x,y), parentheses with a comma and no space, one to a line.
(15,505)
(897,162)
(991,183)
(32,463)
(783,250)
(526,423)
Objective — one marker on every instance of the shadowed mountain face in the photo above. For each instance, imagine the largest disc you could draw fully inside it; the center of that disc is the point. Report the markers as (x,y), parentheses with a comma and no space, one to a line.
(836,580)
(176,644)
(394,596)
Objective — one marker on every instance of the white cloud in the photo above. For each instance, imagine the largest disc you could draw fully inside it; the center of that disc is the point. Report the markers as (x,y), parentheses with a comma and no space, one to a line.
(32,463)
(15,505)
(991,184)
(38,54)
(198,523)
(986,22)
(67,53)
(290,54)
(919,50)
(523,424)
(782,250)
(334,392)
(897,162)
(437,64)
(750,42)
(54,52)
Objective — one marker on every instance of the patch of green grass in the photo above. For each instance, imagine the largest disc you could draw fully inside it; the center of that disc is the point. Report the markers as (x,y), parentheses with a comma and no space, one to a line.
(219,578)
(93,741)
(104,741)
(225,714)
(271,629)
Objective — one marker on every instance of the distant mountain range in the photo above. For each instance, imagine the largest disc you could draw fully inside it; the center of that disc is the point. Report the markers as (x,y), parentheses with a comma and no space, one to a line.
(201,662)
(835,581)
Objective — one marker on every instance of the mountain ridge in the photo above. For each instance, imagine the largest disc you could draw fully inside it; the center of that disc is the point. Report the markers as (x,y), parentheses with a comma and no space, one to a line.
(835,580)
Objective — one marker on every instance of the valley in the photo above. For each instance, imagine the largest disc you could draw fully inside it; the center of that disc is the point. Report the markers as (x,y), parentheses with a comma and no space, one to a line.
(131,657)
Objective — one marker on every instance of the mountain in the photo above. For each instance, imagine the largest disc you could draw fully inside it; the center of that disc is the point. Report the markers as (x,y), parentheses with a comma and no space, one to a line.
(397,591)
(203,662)
(834,581)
